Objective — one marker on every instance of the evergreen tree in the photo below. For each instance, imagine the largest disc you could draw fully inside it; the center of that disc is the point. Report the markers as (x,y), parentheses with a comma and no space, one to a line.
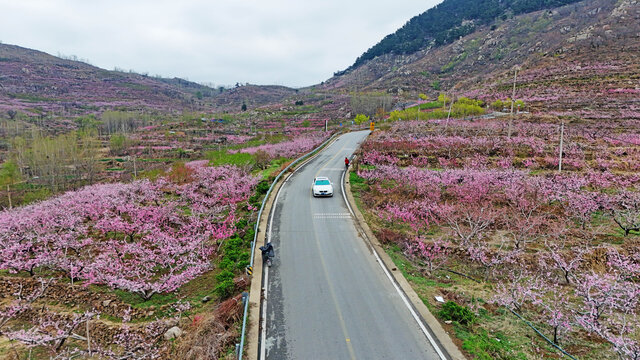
(449,21)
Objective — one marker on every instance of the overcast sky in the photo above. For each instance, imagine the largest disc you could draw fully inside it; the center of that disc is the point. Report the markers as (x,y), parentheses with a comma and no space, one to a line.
(285,42)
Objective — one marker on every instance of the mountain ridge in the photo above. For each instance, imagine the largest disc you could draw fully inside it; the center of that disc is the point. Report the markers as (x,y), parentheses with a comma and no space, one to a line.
(33,81)
(448,21)
(592,45)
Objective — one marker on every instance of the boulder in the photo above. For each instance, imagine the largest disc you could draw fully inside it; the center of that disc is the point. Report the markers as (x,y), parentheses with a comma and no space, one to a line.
(173,333)
(171,322)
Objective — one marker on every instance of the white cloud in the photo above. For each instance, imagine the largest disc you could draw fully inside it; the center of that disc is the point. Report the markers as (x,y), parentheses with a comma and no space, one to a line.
(285,42)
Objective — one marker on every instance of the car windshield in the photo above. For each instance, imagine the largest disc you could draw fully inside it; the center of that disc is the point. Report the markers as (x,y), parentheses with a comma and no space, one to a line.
(323,182)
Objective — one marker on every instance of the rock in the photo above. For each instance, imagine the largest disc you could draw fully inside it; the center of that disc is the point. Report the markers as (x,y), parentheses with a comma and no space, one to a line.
(171,322)
(106,303)
(594,11)
(173,333)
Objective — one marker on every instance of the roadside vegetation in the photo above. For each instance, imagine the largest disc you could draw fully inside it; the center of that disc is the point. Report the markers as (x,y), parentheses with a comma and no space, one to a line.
(489,222)
(129,236)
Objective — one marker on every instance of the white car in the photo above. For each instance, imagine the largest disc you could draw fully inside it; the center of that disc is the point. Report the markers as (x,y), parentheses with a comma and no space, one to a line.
(322,186)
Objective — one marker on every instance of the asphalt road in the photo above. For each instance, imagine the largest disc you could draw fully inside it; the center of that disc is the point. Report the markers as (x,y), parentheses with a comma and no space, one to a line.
(326,295)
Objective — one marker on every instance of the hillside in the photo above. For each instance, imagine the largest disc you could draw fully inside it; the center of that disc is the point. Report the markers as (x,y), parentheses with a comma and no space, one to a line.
(450,20)
(587,50)
(38,83)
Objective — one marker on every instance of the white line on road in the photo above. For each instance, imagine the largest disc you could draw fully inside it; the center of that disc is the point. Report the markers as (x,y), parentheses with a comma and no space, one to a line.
(333,169)
(344,193)
(397,287)
(332,216)
(263,336)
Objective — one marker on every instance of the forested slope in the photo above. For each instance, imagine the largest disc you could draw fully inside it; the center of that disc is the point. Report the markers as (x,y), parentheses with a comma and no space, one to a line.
(449,21)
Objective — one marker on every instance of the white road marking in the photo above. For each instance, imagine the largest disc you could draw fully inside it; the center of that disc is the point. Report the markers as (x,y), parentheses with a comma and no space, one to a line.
(344,194)
(332,216)
(334,169)
(263,341)
(263,335)
(422,326)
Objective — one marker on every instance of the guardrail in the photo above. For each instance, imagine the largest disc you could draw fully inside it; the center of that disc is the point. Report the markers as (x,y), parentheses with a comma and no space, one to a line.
(245,297)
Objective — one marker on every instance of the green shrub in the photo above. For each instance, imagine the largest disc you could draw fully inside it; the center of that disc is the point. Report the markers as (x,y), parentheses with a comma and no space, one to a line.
(249,235)
(236,254)
(360,118)
(263,187)
(254,200)
(226,264)
(225,288)
(118,142)
(244,259)
(454,312)
(498,105)
(241,224)
(224,276)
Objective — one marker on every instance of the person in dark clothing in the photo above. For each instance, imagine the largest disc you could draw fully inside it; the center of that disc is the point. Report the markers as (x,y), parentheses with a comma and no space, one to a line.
(267,253)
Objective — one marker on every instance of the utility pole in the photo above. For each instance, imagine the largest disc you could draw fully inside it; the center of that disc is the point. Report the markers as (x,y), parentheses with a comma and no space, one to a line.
(88,338)
(561,146)
(9,195)
(450,107)
(513,95)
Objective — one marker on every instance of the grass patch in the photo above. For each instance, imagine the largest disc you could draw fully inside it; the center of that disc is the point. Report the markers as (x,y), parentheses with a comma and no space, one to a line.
(431,105)
(458,59)
(410,272)
(136,301)
(35,195)
(273,168)
(222,157)
(476,331)
(357,183)
(485,346)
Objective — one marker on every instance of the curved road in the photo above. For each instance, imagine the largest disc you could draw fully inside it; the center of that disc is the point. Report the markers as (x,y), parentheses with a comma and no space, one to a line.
(327,296)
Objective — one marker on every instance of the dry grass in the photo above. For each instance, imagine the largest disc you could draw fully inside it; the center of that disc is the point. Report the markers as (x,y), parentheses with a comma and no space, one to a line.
(211,335)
